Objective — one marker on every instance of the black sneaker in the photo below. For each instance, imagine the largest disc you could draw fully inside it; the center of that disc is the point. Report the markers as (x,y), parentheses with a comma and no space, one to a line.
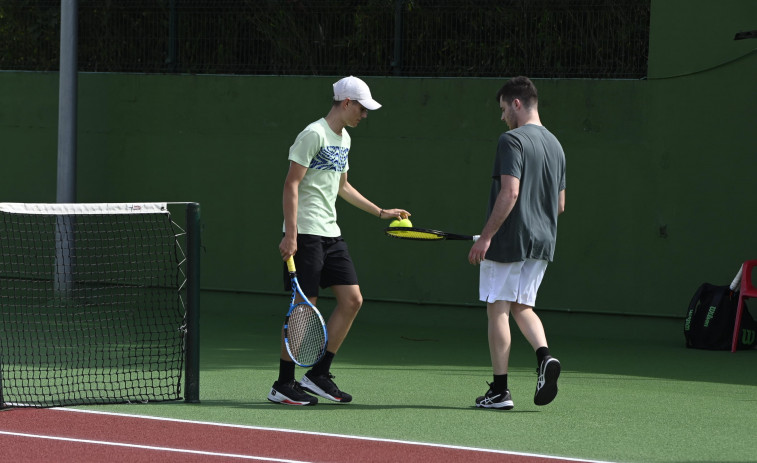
(290,393)
(500,400)
(546,385)
(324,387)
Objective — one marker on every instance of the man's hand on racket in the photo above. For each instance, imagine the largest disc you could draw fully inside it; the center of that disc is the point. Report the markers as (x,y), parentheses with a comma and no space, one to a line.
(288,247)
(477,252)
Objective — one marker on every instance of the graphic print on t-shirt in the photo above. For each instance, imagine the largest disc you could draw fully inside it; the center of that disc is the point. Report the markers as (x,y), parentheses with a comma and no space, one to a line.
(333,158)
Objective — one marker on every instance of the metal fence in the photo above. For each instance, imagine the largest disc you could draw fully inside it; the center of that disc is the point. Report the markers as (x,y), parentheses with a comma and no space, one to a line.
(443,38)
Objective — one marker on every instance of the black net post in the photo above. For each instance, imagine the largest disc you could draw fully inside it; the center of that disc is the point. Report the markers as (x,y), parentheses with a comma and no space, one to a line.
(172,37)
(397,61)
(194,243)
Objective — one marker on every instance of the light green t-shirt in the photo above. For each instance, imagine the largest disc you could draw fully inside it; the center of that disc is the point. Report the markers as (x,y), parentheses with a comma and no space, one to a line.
(324,153)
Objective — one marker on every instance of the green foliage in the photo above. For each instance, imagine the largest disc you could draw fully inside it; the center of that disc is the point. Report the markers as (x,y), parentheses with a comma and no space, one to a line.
(540,38)
(27,28)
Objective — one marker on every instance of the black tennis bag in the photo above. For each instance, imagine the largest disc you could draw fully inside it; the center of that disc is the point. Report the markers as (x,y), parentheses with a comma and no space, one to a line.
(711,317)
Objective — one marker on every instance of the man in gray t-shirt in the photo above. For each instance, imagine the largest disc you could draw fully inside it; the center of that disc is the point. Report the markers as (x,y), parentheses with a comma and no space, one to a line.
(518,239)
(533,155)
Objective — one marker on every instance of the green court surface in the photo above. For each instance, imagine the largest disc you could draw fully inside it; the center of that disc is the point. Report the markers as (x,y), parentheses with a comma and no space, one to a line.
(629,390)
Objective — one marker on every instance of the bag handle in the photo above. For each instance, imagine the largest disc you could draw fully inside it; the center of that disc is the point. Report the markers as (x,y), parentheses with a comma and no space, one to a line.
(695,299)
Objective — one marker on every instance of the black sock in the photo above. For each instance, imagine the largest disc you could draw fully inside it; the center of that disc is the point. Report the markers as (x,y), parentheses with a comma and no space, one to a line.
(500,383)
(323,367)
(286,371)
(541,353)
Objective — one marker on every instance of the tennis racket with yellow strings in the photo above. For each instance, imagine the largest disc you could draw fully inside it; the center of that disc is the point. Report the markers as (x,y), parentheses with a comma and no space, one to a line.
(426,234)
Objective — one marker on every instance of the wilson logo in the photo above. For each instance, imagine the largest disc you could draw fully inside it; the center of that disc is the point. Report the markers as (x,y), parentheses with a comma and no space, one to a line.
(687,326)
(748,337)
(710,314)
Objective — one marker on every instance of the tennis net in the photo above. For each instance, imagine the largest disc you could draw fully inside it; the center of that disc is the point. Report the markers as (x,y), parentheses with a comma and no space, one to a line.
(98,304)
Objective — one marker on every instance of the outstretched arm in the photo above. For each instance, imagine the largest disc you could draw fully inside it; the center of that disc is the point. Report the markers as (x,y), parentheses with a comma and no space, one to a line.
(352,196)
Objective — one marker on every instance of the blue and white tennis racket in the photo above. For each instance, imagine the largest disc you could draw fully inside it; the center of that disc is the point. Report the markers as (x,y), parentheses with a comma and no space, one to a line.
(305,332)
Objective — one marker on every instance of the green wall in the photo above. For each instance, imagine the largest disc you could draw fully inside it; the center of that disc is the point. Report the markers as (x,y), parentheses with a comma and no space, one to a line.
(660,171)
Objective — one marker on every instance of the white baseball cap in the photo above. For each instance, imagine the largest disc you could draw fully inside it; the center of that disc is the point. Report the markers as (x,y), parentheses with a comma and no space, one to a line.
(355,89)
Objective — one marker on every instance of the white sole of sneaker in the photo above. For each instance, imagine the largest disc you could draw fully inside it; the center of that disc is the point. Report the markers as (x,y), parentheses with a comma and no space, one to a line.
(506,405)
(279,398)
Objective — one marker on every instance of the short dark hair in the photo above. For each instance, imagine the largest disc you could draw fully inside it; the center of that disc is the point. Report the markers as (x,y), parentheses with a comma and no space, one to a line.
(521,88)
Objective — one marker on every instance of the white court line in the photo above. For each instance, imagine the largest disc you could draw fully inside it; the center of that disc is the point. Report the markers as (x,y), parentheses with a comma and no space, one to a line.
(150,447)
(344,436)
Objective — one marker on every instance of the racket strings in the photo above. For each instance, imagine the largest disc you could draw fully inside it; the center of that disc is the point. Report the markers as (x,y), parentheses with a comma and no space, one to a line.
(414,234)
(305,334)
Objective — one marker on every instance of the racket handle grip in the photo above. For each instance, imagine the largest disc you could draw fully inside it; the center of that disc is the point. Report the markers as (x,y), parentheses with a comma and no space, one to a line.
(476,237)
(290,264)
(737,280)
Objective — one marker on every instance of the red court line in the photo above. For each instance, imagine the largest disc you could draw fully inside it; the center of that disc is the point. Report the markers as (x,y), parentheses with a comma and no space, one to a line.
(174,440)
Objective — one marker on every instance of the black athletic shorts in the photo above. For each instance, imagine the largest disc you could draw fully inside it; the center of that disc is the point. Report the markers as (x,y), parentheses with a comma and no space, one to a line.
(323,262)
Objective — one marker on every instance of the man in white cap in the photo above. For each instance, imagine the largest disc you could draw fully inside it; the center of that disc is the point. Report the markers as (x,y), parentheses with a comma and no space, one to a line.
(318,165)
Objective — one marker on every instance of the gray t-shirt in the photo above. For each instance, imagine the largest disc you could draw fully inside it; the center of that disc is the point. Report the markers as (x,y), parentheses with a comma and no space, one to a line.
(533,155)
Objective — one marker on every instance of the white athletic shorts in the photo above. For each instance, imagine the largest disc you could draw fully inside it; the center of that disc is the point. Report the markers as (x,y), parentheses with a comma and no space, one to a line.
(512,281)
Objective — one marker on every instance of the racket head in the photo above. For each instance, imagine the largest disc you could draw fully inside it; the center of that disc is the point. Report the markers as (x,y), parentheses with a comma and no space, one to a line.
(412,233)
(305,334)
